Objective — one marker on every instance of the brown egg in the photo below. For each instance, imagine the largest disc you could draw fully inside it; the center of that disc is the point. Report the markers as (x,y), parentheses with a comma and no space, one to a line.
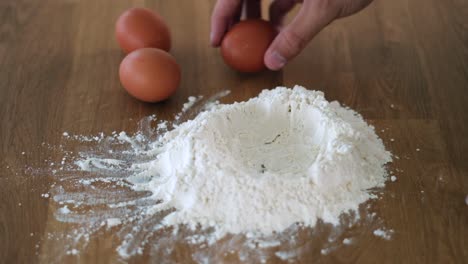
(244,46)
(140,28)
(150,75)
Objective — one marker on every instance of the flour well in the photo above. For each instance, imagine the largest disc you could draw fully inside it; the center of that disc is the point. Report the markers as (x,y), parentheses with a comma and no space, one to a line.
(259,166)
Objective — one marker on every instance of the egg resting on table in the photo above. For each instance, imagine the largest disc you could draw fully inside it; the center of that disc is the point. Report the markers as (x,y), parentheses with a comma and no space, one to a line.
(149,74)
(140,28)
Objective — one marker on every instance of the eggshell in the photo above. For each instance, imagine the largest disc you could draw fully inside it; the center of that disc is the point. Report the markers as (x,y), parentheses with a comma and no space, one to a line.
(149,74)
(140,28)
(244,46)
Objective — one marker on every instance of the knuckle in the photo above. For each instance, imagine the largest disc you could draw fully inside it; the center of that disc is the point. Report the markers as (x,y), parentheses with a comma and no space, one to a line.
(218,16)
(284,6)
(230,4)
(294,41)
(331,8)
(346,8)
(224,9)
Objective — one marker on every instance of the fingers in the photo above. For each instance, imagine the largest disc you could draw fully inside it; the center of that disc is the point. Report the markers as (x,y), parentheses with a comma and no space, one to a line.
(237,15)
(312,17)
(351,7)
(279,9)
(224,12)
(253,9)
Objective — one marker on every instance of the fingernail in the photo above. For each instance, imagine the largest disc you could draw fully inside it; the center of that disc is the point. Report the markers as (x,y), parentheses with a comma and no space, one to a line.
(277,61)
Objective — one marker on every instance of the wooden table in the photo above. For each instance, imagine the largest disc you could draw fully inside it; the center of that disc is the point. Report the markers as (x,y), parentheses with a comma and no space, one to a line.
(402,64)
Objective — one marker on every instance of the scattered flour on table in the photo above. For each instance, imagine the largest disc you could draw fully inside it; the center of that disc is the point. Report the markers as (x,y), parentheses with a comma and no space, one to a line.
(191,101)
(385,234)
(256,168)
(111,222)
(72,252)
(347,241)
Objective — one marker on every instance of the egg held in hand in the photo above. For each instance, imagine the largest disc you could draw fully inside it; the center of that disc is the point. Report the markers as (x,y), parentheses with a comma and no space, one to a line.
(244,46)
(150,75)
(140,28)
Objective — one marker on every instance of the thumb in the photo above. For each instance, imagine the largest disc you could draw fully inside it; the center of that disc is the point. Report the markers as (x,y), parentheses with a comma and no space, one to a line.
(312,17)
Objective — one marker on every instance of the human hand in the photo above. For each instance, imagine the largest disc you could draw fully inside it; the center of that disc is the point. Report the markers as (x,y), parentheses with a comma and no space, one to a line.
(312,17)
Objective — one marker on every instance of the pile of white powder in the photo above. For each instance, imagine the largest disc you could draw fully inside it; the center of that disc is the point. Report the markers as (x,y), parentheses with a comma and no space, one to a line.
(259,166)
(256,168)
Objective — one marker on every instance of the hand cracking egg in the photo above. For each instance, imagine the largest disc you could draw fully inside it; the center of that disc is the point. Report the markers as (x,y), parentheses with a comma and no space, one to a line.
(244,46)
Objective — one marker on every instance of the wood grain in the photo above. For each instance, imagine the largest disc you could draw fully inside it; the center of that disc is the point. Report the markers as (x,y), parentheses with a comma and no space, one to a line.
(402,64)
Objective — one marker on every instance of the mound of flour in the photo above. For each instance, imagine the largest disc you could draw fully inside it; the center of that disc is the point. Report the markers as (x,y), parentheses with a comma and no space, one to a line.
(260,166)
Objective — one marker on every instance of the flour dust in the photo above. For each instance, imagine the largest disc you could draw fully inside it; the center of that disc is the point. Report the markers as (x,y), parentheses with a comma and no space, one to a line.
(285,175)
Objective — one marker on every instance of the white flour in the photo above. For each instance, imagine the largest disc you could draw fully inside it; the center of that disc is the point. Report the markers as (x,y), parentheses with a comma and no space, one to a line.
(286,156)
(385,234)
(255,168)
